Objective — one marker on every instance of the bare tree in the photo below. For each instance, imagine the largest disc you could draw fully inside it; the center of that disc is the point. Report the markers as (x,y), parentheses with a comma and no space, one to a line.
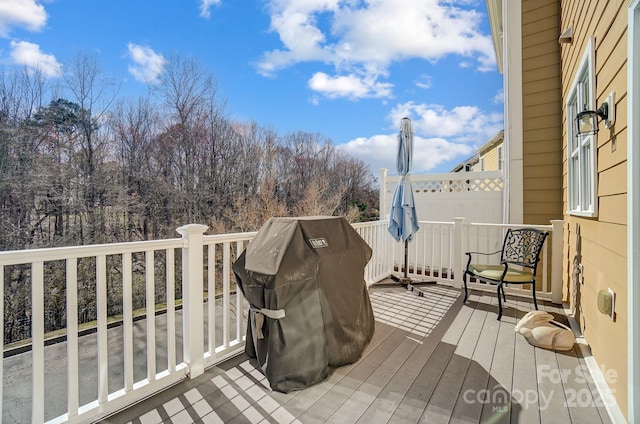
(134,126)
(186,91)
(21,93)
(94,93)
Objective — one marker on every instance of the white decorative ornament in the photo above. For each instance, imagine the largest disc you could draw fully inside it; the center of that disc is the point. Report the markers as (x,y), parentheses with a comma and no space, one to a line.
(539,329)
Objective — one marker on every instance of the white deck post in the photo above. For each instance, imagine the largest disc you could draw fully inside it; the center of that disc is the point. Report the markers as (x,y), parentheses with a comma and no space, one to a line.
(458,238)
(193,297)
(557,238)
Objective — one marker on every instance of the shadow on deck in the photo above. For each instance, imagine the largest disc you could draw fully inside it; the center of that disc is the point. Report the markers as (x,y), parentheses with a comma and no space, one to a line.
(432,360)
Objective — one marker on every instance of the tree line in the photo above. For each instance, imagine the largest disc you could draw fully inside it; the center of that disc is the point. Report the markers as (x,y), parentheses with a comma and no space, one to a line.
(79,165)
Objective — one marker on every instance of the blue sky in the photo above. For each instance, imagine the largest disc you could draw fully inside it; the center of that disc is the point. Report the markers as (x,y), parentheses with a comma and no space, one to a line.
(347,69)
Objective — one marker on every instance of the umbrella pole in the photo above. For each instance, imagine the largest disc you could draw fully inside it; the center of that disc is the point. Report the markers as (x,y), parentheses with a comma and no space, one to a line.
(406,262)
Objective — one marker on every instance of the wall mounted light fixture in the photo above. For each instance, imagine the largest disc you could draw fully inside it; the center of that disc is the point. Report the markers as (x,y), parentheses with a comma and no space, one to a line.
(587,122)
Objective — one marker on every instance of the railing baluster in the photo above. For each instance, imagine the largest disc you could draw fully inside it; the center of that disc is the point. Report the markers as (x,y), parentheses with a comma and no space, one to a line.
(364,233)
(557,239)
(151,314)
(239,300)
(374,267)
(72,337)
(450,253)
(438,239)
(226,292)
(37,339)
(211,302)
(421,261)
(103,347)
(127,320)
(432,260)
(545,286)
(1,332)
(171,309)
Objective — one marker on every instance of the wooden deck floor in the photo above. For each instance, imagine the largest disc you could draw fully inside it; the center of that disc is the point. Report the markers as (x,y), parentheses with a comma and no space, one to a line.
(432,360)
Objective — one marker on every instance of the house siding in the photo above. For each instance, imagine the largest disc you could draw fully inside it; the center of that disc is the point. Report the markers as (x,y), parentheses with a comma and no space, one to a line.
(542,147)
(491,158)
(600,244)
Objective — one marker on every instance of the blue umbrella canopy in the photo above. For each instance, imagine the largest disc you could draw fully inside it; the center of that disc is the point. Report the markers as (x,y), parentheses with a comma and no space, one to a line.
(403,221)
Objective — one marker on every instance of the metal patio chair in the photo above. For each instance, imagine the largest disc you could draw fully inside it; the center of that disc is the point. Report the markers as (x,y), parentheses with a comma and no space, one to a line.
(519,259)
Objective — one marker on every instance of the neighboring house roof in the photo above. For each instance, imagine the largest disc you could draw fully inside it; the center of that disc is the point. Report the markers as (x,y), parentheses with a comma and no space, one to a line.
(466,164)
(493,141)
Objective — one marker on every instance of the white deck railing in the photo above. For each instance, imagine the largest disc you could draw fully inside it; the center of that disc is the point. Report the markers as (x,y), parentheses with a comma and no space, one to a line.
(437,254)
(212,315)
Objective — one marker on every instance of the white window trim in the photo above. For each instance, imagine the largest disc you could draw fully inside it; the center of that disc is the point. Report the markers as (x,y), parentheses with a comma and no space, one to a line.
(587,63)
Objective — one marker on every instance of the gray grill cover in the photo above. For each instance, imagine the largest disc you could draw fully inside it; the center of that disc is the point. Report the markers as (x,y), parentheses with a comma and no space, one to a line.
(311,270)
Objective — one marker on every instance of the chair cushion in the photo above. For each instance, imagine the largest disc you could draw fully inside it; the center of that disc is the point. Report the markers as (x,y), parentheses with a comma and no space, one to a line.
(494,272)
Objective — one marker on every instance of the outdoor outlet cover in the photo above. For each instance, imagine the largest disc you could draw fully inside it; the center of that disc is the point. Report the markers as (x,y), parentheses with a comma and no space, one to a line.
(606,302)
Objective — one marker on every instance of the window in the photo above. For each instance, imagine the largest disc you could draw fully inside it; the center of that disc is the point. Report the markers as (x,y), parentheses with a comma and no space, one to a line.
(581,150)
(500,158)
(482,164)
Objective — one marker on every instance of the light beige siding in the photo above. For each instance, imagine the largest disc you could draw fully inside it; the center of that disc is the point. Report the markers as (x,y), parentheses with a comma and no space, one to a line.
(600,244)
(542,147)
(490,158)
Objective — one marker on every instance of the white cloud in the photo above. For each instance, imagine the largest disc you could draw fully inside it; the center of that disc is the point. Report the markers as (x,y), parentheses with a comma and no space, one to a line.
(21,13)
(147,64)
(350,86)
(466,124)
(440,136)
(380,151)
(366,38)
(205,7)
(424,82)
(29,54)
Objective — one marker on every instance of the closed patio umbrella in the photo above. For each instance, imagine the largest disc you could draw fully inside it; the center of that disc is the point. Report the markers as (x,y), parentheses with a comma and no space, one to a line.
(403,220)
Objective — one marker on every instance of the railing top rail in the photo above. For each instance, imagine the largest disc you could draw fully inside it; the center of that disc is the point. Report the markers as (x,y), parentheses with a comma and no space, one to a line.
(60,253)
(369,223)
(16,257)
(537,226)
(445,223)
(222,238)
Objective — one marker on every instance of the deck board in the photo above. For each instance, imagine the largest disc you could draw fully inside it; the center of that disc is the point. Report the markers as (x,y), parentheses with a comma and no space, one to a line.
(469,405)
(497,406)
(389,400)
(431,360)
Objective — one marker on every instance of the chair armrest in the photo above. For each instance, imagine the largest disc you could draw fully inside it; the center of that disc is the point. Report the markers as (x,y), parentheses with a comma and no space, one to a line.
(481,253)
(477,253)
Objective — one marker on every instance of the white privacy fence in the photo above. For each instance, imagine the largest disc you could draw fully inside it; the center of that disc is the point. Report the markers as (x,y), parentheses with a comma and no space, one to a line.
(190,317)
(478,196)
